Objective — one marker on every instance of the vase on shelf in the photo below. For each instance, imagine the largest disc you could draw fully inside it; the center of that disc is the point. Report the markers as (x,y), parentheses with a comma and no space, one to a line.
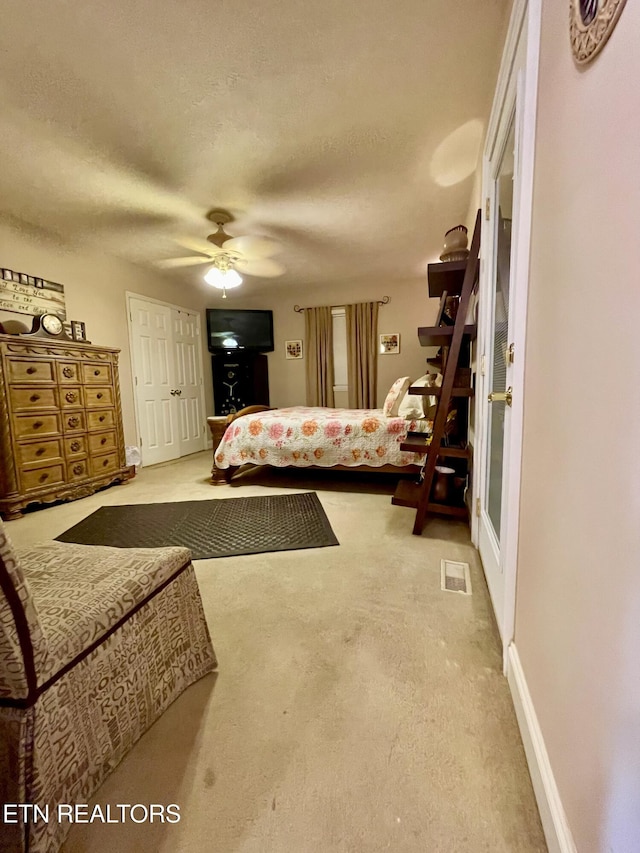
(442,484)
(455,244)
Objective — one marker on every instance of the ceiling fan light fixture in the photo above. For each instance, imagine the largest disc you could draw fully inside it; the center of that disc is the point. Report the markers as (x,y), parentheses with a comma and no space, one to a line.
(223,279)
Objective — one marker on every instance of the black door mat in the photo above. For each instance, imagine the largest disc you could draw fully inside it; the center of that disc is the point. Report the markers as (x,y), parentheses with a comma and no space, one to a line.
(216,528)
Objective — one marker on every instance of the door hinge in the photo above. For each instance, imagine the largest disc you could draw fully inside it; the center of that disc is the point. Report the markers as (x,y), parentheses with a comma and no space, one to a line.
(478,507)
(136,378)
(511,354)
(487,208)
(482,364)
(140,441)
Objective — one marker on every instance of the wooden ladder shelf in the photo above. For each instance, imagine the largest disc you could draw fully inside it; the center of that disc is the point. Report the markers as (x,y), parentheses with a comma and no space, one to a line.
(418,495)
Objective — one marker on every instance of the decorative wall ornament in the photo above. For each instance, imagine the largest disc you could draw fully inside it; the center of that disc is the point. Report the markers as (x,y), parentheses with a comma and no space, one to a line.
(591,22)
(390,344)
(293,349)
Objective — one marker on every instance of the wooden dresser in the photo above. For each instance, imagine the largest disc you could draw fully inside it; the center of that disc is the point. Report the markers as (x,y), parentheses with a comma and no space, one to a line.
(60,421)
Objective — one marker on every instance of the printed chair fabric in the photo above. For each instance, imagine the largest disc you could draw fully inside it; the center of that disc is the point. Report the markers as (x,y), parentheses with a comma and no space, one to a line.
(116,635)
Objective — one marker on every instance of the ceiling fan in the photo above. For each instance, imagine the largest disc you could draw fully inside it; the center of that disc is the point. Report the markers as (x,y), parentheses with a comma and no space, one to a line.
(228,256)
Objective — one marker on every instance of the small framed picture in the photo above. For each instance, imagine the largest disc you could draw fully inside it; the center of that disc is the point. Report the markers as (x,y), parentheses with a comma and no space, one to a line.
(293,349)
(389,344)
(7,275)
(78,331)
(24,278)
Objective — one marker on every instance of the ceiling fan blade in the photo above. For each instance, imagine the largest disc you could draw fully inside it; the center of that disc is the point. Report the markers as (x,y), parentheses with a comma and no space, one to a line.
(252,247)
(196,244)
(264,267)
(171,263)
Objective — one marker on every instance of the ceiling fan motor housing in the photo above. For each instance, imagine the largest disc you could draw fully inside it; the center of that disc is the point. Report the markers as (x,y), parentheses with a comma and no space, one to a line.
(221,218)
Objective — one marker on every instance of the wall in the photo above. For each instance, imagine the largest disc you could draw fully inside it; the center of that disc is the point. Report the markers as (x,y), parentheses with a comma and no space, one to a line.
(578,597)
(95,287)
(409,308)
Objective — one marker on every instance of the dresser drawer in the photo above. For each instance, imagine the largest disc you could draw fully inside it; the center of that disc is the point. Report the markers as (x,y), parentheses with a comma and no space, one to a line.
(41,478)
(32,426)
(37,452)
(69,371)
(101,420)
(73,422)
(98,396)
(96,373)
(31,370)
(75,446)
(102,441)
(77,470)
(104,464)
(71,397)
(26,399)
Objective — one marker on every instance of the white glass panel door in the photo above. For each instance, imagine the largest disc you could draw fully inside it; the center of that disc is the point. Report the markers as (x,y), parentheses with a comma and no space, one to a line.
(495,405)
(498,363)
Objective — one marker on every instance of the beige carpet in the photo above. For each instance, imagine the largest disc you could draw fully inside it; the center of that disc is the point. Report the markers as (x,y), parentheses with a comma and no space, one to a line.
(358,708)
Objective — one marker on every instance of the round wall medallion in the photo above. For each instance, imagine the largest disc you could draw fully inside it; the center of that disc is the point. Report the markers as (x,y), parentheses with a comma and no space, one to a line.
(591,22)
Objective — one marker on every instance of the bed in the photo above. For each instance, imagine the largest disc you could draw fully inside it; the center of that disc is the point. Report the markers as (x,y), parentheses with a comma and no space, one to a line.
(304,437)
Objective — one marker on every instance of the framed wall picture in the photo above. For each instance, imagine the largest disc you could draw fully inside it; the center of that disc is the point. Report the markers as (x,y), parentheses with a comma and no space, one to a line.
(390,344)
(78,331)
(293,349)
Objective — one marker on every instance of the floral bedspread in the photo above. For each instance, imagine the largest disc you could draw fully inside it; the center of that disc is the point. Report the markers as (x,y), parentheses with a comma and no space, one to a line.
(301,436)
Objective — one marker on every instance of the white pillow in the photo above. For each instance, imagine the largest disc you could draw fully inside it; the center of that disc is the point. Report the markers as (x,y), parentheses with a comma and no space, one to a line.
(430,403)
(395,395)
(413,405)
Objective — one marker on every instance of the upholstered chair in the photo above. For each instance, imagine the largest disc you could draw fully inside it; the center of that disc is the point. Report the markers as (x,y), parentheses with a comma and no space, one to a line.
(95,643)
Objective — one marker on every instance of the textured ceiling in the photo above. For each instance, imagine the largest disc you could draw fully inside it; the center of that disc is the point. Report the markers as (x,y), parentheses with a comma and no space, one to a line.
(347,129)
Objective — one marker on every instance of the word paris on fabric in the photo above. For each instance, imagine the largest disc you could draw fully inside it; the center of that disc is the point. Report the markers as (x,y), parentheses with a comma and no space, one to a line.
(84,813)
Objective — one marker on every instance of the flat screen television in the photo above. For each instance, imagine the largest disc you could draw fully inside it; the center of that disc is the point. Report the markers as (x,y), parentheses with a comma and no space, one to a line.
(229,329)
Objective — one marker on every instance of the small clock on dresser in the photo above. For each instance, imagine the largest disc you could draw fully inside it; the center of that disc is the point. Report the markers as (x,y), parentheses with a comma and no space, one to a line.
(48,326)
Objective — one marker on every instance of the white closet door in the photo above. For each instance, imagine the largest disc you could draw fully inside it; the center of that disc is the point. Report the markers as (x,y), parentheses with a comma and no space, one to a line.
(153,367)
(188,380)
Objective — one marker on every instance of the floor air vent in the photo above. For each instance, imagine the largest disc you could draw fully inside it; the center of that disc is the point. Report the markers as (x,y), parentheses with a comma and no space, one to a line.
(455,577)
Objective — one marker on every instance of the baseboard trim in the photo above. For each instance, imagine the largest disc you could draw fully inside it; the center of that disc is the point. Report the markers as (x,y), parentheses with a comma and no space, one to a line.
(552,813)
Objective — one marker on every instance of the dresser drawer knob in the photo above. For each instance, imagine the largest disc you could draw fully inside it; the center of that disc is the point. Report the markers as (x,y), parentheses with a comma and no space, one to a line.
(43,477)
(75,446)
(37,424)
(68,372)
(40,451)
(34,398)
(105,462)
(100,395)
(78,469)
(71,396)
(31,370)
(96,373)
(73,422)
(101,418)
(103,441)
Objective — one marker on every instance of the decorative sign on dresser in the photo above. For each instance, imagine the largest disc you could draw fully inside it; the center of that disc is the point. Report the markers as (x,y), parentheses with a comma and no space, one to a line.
(25,294)
(61,432)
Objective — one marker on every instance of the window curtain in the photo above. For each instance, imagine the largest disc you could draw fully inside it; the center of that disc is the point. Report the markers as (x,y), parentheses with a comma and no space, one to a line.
(318,325)
(362,354)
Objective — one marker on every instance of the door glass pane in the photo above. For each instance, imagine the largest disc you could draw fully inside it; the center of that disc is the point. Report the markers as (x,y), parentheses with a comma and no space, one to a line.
(502,267)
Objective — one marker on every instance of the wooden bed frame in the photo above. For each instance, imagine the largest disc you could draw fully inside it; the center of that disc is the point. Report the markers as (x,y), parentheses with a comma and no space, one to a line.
(220,476)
